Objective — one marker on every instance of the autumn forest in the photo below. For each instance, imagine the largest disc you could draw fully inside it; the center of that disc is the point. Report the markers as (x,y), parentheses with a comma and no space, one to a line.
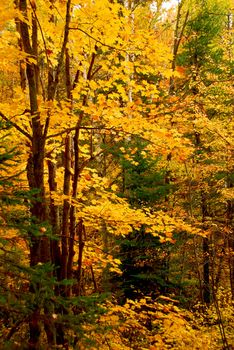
(116,174)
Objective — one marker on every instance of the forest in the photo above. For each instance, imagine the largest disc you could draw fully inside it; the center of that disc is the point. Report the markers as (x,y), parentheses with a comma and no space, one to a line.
(116,174)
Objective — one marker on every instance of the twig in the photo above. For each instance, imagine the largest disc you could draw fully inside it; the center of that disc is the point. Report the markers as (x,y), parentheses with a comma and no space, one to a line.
(100,42)
(22,131)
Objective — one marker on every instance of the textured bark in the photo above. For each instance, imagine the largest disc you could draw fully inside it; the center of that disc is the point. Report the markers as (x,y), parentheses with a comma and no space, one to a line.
(42,249)
(35,167)
(39,248)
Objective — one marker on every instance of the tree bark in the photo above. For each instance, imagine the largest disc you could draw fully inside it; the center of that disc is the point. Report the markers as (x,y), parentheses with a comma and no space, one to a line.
(39,247)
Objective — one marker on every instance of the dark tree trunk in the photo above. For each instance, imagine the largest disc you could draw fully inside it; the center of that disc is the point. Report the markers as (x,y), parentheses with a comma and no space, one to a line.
(42,249)
(80,232)
(54,220)
(66,206)
(39,246)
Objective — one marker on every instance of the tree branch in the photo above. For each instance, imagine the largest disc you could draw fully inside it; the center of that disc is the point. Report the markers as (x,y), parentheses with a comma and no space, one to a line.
(41,31)
(54,83)
(99,41)
(81,127)
(22,131)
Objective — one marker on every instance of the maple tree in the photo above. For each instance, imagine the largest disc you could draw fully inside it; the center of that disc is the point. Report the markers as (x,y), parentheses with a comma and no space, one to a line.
(117,135)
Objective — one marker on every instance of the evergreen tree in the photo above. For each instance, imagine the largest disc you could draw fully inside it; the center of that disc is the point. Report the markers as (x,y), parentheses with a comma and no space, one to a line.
(144,260)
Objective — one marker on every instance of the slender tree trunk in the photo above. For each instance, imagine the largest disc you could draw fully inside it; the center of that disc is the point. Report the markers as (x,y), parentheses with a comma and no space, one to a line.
(219,270)
(81,244)
(206,255)
(206,271)
(23,78)
(54,220)
(72,233)
(66,206)
(230,215)
(178,35)
(76,171)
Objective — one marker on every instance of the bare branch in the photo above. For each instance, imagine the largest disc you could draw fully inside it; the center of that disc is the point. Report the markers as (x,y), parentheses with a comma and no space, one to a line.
(99,41)
(16,126)
(75,127)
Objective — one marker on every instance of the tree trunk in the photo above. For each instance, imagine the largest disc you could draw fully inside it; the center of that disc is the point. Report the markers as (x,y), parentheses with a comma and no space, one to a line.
(39,246)
(229,223)
(178,35)
(54,220)
(206,255)
(81,230)
(66,206)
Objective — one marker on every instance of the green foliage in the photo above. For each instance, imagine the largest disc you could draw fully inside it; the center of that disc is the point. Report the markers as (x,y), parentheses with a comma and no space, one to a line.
(202,50)
(143,257)
(60,222)
(25,289)
(144,266)
(141,183)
